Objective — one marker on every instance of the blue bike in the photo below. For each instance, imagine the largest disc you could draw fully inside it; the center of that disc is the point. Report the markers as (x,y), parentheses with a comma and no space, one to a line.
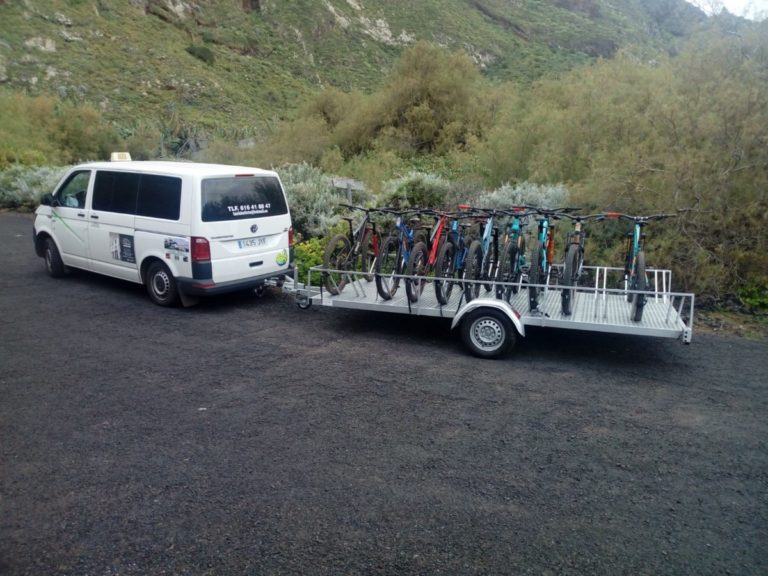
(395,253)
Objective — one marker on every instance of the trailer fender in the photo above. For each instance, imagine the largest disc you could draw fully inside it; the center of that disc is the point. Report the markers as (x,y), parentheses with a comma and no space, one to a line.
(501,305)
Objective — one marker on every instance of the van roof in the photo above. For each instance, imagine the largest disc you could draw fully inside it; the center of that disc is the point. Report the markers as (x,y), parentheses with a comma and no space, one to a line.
(178,168)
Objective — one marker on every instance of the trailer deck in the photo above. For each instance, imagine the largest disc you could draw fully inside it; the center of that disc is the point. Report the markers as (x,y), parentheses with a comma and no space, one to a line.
(603,306)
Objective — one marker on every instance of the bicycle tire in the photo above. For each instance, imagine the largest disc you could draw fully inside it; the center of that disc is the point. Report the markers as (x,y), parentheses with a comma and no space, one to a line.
(388,264)
(472,270)
(488,270)
(366,260)
(535,275)
(417,266)
(505,270)
(569,277)
(445,267)
(639,283)
(336,257)
(517,267)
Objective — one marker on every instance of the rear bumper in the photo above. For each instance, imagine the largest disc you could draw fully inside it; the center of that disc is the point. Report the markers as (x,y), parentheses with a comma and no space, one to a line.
(206,287)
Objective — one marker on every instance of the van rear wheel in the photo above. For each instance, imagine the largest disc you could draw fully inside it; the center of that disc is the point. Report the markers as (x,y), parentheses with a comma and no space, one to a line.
(161,285)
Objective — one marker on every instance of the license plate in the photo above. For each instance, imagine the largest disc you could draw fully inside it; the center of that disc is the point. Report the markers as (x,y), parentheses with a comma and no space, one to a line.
(252,242)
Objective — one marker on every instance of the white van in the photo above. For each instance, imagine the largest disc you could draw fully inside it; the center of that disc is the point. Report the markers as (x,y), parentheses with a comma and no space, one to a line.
(182,229)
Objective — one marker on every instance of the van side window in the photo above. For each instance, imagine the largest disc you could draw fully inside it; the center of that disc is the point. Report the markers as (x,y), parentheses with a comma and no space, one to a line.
(72,193)
(115,192)
(242,197)
(159,197)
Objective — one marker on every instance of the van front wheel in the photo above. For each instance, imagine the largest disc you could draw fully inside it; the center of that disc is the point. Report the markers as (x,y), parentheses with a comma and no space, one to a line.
(53,263)
(161,285)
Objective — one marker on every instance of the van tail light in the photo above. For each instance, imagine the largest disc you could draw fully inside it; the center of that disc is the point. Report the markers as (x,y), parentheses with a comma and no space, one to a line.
(290,236)
(201,250)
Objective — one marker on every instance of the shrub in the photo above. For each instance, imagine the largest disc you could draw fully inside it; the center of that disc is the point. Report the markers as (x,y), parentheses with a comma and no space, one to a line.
(307,254)
(312,199)
(525,194)
(22,186)
(202,53)
(417,189)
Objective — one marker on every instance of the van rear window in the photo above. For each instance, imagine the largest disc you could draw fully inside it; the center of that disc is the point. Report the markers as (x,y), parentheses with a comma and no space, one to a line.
(241,197)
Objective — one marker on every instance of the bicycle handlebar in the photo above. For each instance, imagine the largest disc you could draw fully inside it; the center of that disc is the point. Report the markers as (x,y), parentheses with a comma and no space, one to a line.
(578,218)
(637,219)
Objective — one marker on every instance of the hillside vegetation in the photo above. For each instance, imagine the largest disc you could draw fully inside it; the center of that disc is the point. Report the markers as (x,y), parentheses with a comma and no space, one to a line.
(236,65)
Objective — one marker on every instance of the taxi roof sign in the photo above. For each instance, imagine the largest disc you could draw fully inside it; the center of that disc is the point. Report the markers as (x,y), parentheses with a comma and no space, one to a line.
(120,157)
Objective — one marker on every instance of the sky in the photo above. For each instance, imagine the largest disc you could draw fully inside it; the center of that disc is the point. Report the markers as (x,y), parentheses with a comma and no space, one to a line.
(754,9)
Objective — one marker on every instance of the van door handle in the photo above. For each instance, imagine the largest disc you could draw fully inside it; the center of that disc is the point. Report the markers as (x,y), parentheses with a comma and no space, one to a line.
(81,214)
(95,216)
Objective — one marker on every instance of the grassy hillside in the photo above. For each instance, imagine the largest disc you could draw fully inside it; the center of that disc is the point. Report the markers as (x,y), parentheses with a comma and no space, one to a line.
(240,64)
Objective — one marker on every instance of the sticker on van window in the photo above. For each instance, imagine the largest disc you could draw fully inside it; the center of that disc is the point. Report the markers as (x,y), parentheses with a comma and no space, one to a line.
(122,247)
(250,209)
(281,258)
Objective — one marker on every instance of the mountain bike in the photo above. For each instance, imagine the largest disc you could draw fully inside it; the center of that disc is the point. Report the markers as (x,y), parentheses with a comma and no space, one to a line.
(542,252)
(635,277)
(483,256)
(574,258)
(395,252)
(451,258)
(423,260)
(352,254)
(512,257)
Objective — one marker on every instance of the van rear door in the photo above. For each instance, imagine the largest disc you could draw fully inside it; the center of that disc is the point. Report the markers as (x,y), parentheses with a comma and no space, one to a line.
(245,219)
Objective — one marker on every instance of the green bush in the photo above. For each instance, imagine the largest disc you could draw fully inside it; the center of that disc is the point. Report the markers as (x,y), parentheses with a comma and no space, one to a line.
(525,194)
(312,198)
(306,255)
(202,53)
(23,186)
(417,189)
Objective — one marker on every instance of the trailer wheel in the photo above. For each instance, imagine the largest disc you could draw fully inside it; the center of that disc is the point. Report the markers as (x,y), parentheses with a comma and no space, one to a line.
(488,333)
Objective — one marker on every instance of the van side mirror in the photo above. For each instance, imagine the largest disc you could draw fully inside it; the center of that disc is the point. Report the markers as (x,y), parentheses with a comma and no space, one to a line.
(49,200)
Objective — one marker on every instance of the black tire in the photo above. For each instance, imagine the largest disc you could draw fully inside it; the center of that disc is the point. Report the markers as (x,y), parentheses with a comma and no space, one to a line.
(535,275)
(336,257)
(639,283)
(517,270)
(388,264)
(569,277)
(488,270)
(445,267)
(54,265)
(505,269)
(473,270)
(161,285)
(366,260)
(417,266)
(488,333)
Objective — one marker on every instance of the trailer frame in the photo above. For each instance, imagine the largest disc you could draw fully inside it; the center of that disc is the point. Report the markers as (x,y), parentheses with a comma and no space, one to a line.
(490,325)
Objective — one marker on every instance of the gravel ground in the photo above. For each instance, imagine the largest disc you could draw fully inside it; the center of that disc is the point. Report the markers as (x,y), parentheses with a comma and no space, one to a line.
(246,436)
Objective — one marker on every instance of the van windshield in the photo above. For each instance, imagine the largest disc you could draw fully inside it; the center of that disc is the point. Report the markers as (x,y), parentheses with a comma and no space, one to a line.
(241,197)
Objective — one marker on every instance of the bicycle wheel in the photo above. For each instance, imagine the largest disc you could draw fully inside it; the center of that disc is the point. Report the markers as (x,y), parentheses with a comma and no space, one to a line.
(535,275)
(445,268)
(569,277)
(472,270)
(336,257)
(638,283)
(506,268)
(488,270)
(417,266)
(387,265)
(517,267)
(366,261)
